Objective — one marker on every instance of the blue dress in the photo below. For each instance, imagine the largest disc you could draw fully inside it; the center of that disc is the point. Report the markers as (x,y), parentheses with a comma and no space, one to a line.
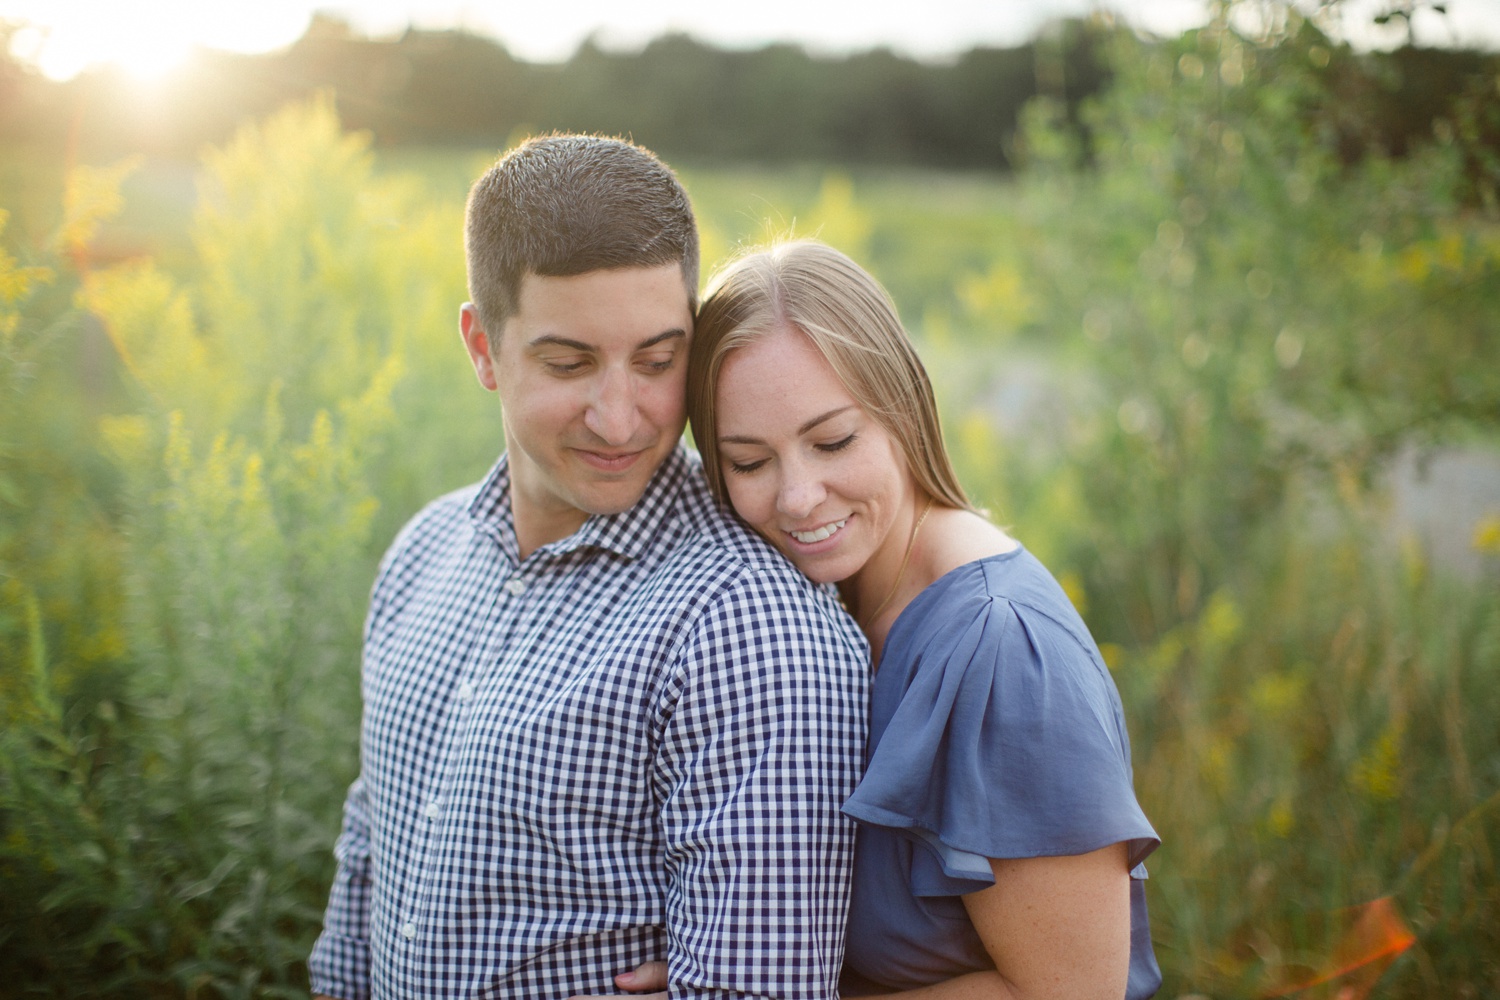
(995,732)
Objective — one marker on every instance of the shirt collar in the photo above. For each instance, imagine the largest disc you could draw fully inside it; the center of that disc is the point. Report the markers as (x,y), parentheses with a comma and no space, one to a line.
(627,533)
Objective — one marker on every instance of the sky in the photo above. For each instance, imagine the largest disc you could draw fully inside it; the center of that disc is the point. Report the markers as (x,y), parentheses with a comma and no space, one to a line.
(150,37)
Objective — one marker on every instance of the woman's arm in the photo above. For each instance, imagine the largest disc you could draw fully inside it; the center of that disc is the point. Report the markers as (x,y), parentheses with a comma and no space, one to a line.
(1057,929)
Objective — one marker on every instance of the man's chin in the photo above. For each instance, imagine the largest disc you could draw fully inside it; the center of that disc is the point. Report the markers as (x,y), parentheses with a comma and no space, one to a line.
(598,489)
(613,496)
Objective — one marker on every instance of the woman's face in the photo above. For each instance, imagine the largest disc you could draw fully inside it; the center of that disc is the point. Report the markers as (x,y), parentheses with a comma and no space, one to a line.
(805,466)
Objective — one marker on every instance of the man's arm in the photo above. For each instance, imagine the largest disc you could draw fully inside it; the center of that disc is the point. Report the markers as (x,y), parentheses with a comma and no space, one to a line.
(764,742)
(1058,928)
(339,965)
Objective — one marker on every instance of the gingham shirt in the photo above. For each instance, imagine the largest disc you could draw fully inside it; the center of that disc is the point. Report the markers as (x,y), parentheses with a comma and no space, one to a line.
(631,745)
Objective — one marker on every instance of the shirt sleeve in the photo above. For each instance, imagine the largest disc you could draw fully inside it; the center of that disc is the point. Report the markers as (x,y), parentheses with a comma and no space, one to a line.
(339,965)
(764,741)
(1009,742)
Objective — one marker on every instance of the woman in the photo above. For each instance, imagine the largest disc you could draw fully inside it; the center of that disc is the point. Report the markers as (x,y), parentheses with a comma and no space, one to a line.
(1000,843)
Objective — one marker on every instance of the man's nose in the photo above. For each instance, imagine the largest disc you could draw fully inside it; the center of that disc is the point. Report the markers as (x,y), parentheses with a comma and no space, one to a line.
(612,414)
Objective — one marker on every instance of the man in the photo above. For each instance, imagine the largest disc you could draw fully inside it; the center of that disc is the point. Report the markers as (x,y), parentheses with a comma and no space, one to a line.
(603,722)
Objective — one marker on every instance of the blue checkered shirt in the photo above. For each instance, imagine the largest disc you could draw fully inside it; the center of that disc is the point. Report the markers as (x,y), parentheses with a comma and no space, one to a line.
(630,745)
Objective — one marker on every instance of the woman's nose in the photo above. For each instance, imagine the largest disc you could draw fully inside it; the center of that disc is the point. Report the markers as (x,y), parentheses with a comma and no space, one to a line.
(800,494)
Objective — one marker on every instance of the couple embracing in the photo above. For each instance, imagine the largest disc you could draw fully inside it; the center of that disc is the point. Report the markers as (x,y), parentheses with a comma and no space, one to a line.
(793,721)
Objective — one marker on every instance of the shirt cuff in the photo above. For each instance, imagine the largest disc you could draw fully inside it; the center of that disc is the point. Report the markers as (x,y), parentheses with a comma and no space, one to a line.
(340,967)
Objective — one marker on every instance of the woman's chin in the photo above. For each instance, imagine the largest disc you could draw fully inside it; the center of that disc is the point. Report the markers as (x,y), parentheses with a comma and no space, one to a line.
(819,569)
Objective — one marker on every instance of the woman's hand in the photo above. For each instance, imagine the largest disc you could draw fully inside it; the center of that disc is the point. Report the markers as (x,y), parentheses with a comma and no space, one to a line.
(649,976)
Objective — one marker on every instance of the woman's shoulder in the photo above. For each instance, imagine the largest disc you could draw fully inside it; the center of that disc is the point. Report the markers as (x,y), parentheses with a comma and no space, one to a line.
(976,569)
(959,537)
(995,724)
(998,737)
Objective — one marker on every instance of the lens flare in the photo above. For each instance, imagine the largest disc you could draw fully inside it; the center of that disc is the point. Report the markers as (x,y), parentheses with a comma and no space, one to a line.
(1375,938)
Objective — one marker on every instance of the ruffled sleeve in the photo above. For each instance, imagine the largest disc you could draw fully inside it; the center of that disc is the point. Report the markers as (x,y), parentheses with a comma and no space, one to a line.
(997,733)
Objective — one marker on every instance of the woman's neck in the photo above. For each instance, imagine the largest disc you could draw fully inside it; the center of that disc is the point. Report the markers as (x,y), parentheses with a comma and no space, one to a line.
(876,593)
(948,539)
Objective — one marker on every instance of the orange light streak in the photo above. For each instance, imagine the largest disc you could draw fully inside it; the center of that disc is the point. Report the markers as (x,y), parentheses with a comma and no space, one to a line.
(1378,936)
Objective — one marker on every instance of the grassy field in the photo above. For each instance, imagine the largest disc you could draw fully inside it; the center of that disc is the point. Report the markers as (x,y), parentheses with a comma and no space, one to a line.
(1180,378)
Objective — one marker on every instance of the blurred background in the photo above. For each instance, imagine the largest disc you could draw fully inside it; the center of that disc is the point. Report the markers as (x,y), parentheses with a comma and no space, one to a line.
(1210,294)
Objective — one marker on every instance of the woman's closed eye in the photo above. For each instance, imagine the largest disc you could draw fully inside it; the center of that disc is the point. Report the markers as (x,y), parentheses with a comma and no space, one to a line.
(838,445)
(745,468)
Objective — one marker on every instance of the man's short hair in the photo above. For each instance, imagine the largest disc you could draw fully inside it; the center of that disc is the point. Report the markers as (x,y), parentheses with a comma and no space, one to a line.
(560,205)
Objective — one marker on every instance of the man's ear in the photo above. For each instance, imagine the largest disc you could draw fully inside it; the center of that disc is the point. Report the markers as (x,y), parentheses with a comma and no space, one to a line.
(477,343)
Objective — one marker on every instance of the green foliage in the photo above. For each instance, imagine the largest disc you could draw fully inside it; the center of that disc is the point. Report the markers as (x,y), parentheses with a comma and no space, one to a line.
(175,837)
(58,549)
(62,639)
(1245,304)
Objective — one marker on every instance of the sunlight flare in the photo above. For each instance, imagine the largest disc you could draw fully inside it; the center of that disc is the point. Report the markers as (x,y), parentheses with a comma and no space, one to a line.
(1377,936)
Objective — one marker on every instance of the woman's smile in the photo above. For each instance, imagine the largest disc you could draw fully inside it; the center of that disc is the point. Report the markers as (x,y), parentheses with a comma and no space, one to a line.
(818,534)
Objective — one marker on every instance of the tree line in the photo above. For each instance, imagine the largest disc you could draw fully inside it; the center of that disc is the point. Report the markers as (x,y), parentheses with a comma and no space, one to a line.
(692,101)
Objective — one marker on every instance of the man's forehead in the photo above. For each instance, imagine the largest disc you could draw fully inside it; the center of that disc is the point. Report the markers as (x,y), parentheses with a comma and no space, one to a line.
(617,307)
(650,280)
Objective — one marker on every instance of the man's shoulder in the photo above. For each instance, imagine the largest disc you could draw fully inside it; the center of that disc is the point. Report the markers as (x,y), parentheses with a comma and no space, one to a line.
(721,561)
(438,519)
(436,535)
(708,534)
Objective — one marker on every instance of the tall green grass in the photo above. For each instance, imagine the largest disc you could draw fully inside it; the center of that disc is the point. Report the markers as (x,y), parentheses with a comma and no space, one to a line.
(1178,378)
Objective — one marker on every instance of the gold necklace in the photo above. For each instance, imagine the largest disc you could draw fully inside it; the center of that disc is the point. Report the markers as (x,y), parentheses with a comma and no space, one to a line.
(900,573)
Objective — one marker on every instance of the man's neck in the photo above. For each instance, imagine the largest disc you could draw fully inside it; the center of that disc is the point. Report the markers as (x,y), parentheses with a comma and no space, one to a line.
(536,526)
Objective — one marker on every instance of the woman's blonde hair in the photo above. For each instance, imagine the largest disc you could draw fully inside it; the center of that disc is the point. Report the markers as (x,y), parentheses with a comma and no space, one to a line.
(812,288)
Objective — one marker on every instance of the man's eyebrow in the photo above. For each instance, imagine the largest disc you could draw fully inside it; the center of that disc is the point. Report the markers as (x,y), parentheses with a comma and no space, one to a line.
(815,421)
(552,340)
(549,340)
(672,334)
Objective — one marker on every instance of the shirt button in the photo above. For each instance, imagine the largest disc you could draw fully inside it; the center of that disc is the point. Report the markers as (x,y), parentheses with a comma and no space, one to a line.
(516,586)
(431,812)
(465,691)
(409,931)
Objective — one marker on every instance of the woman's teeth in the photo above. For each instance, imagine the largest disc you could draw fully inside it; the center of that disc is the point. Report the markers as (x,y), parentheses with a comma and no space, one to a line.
(808,537)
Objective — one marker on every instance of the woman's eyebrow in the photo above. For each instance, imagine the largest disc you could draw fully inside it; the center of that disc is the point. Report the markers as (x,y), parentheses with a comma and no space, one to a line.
(815,421)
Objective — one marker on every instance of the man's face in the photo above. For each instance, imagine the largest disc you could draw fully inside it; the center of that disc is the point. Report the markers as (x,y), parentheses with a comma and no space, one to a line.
(591,372)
